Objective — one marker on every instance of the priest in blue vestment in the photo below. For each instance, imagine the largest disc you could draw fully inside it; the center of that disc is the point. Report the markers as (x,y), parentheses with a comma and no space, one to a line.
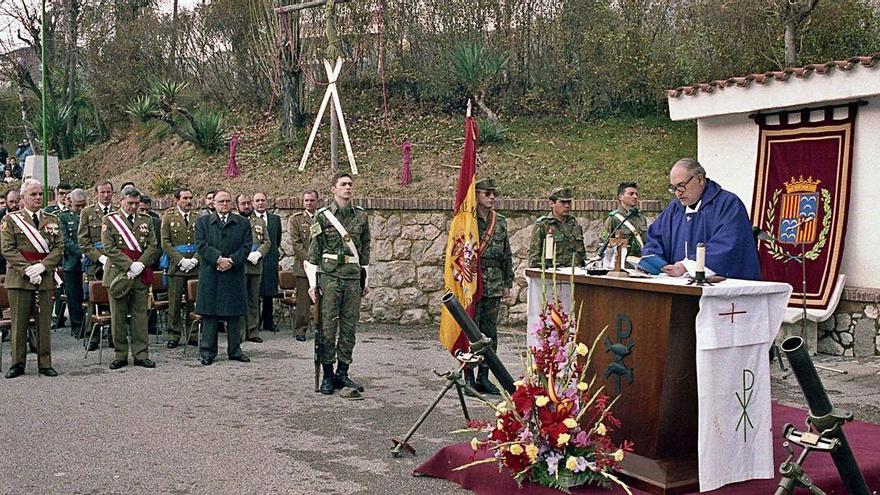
(703,212)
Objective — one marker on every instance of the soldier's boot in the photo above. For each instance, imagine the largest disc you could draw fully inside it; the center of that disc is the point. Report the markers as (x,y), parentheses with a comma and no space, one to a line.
(486,386)
(327,382)
(342,380)
(469,381)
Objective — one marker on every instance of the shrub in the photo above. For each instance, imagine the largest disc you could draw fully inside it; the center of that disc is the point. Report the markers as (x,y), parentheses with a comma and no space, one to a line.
(489,132)
(205,130)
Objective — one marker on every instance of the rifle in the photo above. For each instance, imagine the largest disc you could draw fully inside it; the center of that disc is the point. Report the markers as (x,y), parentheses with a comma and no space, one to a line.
(319,331)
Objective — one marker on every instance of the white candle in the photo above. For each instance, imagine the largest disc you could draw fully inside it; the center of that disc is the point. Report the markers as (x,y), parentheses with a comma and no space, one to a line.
(548,246)
(701,257)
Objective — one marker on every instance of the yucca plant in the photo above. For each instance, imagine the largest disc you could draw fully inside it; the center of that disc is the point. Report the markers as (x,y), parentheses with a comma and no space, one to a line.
(166,91)
(490,132)
(205,130)
(142,110)
(84,134)
(476,67)
(57,117)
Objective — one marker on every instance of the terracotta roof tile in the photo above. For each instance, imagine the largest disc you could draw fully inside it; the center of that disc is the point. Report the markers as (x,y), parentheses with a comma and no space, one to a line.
(868,61)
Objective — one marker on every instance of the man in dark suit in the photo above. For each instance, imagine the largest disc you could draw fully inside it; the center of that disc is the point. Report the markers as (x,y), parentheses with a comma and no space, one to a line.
(223,242)
(269,282)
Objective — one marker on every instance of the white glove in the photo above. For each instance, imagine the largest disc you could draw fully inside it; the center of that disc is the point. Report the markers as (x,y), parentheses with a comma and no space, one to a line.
(254,257)
(193,262)
(36,279)
(35,269)
(137,267)
(131,274)
(184,265)
(102,259)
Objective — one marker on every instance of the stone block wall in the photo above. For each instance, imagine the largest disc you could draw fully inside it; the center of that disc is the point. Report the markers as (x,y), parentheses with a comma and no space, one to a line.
(852,331)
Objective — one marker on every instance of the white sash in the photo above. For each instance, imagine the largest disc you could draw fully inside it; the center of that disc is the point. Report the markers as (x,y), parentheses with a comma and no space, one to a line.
(32,233)
(126,233)
(631,228)
(344,233)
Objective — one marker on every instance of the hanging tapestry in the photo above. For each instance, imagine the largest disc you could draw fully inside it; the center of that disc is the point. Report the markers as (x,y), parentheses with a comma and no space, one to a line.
(801,197)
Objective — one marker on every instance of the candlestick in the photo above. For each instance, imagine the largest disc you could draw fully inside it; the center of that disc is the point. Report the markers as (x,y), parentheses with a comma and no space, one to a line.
(701,257)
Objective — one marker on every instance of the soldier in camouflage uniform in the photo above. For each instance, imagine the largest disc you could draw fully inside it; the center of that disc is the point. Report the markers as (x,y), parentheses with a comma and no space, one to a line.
(89,237)
(567,234)
(253,268)
(178,244)
(342,254)
(128,267)
(635,225)
(71,264)
(31,243)
(496,263)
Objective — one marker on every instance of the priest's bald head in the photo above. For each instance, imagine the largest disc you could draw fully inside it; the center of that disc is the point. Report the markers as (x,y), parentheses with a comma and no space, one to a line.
(687,181)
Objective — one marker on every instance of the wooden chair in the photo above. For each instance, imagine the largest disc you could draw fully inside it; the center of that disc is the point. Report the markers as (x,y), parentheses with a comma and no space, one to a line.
(160,305)
(98,296)
(287,283)
(194,319)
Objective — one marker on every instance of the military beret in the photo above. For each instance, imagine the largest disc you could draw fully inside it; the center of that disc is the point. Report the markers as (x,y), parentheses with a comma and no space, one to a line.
(485,185)
(120,286)
(560,194)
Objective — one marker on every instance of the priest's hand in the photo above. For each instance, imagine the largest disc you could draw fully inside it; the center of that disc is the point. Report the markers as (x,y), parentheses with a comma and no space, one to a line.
(675,270)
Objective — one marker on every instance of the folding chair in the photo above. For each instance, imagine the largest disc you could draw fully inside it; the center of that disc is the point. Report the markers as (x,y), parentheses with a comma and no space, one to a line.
(194,319)
(98,296)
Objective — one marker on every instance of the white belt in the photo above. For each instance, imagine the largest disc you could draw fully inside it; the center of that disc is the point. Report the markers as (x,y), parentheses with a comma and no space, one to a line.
(337,257)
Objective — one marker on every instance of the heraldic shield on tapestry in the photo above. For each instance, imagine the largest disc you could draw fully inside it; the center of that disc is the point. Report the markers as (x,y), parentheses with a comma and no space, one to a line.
(801,197)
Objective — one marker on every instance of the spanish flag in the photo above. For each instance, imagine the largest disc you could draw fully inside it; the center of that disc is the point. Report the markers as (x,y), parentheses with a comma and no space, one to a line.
(462,265)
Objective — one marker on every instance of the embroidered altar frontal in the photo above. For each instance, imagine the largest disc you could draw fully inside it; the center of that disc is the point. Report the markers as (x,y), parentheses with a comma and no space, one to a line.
(801,198)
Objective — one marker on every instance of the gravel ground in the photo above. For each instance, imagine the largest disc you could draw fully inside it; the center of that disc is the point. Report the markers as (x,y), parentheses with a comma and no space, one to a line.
(259,427)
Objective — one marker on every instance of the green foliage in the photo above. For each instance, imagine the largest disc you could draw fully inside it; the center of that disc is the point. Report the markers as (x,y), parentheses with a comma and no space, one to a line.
(167,91)
(84,135)
(57,118)
(489,132)
(142,110)
(205,130)
(477,67)
(163,185)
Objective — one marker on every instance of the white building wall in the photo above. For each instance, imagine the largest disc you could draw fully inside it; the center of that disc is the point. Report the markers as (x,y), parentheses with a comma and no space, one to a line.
(727,146)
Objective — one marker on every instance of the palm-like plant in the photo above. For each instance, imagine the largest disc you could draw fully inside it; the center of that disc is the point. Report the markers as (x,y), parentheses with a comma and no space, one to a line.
(205,130)
(477,67)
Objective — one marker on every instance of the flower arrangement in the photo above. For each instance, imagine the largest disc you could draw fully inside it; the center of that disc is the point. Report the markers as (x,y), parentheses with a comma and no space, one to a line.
(554,429)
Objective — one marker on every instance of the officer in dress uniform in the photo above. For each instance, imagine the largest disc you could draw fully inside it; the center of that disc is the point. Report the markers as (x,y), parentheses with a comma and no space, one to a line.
(31,242)
(71,261)
(340,251)
(299,226)
(180,259)
(254,267)
(130,246)
(560,231)
(60,204)
(89,237)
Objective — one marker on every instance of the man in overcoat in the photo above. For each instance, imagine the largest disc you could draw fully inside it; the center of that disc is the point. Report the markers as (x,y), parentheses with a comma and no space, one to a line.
(223,242)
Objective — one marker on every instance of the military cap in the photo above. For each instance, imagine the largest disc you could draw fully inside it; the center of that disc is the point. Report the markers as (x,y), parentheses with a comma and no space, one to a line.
(560,194)
(485,185)
(120,286)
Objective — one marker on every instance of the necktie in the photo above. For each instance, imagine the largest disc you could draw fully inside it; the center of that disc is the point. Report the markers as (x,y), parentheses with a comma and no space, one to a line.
(106,210)
(36,220)
(131,219)
(186,219)
(223,220)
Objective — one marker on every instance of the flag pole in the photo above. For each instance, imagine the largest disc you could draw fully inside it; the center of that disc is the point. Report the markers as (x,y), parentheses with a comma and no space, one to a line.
(45,142)
(468,108)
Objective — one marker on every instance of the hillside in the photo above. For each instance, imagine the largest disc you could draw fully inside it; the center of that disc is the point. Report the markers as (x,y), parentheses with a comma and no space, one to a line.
(535,155)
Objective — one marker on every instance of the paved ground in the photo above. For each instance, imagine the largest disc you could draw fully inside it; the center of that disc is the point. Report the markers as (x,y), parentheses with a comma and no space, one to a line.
(259,427)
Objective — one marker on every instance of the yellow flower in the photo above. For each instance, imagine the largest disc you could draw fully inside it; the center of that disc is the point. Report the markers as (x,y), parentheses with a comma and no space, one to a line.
(499,425)
(563,439)
(532,452)
(571,463)
(475,443)
(618,456)
(582,349)
(570,422)
(516,449)
(582,386)
(601,430)
(542,400)
(518,383)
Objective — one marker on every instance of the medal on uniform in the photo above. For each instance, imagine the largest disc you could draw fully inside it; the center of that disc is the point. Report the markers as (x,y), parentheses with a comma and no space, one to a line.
(346,237)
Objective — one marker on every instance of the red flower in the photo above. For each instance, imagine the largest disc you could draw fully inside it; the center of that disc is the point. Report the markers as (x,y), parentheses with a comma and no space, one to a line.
(552,418)
(516,462)
(524,397)
(509,429)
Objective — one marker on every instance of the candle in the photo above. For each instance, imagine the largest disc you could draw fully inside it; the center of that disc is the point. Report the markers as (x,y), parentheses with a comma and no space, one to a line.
(701,257)
(548,246)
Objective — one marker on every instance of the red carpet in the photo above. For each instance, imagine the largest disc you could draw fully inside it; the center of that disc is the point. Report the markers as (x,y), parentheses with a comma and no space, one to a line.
(864,439)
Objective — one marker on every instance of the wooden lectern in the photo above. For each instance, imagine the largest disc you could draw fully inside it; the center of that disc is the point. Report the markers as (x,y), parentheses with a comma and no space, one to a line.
(648,357)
